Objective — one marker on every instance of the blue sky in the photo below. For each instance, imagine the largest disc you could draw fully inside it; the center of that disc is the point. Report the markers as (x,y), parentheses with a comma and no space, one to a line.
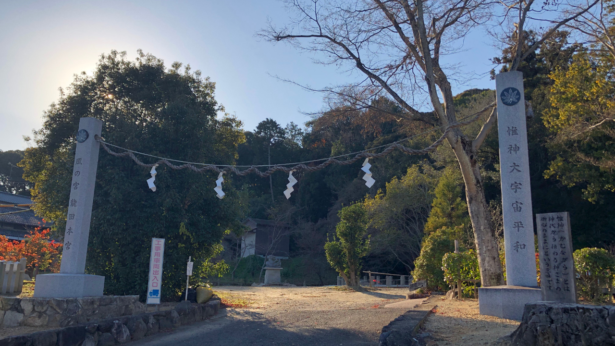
(43,44)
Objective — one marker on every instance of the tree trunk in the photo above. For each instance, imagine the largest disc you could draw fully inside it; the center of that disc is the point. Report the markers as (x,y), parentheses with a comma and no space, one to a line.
(484,235)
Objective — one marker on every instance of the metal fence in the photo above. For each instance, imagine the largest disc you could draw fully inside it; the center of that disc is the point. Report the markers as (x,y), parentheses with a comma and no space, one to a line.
(375,279)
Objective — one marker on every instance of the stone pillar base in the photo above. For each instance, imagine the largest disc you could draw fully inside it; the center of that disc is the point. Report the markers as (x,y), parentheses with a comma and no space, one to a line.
(272,276)
(68,286)
(507,301)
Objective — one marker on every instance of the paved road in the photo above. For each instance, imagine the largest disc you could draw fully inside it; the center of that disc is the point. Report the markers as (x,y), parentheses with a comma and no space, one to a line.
(256,328)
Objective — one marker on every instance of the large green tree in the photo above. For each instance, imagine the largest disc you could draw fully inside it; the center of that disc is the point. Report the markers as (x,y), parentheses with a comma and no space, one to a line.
(349,245)
(11,180)
(582,118)
(148,108)
(397,217)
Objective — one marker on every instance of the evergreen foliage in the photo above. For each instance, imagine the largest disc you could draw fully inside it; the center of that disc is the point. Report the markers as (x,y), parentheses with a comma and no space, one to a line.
(460,269)
(448,209)
(149,108)
(596,270)
(428,266)
(349,244)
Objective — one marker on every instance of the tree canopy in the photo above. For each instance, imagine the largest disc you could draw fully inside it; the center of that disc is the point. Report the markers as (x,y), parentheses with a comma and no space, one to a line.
(145,107)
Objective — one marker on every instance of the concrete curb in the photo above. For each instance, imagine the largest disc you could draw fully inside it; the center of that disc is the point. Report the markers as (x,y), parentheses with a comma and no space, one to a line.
(118,330)
(401,331)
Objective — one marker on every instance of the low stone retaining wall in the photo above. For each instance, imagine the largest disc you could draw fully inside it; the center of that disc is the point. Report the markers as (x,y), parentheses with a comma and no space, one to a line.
(549,323)
(119,330)
(64,312)
(401,331)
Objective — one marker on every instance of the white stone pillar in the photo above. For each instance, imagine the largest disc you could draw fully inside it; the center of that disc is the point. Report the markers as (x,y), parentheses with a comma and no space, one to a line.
(72,282)
(515,181)
(389,280)
(509,301)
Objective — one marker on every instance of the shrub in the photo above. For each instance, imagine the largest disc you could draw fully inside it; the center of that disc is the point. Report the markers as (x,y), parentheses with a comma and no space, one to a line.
(349,244)
(595,270)
(461,268)
(247,271)
(41,253)
(428,266)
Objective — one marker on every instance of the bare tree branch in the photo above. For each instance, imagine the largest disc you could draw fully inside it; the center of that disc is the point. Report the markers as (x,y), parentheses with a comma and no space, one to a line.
(484,131)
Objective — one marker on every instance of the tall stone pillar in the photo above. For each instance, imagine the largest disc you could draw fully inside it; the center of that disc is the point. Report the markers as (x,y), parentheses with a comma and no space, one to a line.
(72,282)
(508,301)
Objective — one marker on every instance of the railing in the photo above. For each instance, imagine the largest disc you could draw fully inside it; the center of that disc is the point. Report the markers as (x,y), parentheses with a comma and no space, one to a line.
(372,279)
(11,276)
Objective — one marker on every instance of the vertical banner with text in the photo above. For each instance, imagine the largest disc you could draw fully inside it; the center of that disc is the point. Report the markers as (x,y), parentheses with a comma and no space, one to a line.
(154,286)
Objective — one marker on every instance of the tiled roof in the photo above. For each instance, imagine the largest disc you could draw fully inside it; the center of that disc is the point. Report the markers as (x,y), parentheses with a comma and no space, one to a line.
(10,198)
(26,218)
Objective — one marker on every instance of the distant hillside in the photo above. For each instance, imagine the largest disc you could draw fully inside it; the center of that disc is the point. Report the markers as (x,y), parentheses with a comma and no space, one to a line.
(471,96)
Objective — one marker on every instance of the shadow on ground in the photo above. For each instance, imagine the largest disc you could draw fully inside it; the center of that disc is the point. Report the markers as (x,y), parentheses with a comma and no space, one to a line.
(252,328)
(384,295)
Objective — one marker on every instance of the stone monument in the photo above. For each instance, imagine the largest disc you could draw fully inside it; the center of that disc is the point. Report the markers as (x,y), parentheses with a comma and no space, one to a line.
(521,285)
(273,267)
(72,282)
(557,275)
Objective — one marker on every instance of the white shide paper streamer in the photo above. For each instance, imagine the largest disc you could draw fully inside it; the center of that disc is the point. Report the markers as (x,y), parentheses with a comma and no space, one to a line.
(218,188)
(369,181)
(150,181)
(291,181)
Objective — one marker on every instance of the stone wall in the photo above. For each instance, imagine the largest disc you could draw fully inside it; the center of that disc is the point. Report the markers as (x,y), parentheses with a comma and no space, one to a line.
(119,330)
(63,312)
(550,323)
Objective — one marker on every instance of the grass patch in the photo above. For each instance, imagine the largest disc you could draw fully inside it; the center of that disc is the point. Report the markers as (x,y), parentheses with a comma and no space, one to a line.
(230,300)
(27,290)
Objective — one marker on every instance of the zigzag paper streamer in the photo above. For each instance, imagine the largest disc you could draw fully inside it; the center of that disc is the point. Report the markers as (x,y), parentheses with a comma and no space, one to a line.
(218,187)
(369,181)
(291,181)
(150,181)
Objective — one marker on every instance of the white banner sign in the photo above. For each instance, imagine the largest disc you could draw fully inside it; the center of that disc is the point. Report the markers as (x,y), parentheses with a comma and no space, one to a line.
(154,286)
(189,269)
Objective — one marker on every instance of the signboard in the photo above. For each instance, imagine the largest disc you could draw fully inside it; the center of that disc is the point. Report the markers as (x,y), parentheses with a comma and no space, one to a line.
(189,269)
(154,286)
(557,273)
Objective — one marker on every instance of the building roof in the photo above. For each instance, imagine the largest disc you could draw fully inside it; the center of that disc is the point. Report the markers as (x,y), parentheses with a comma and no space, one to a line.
(254,223)
(10,198)
(26,218)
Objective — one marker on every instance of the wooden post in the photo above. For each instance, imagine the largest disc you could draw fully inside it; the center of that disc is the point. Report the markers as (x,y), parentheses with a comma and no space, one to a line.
(371,282)
(21,270)
(12,281)
(187,280)
(2,277)
(458,282)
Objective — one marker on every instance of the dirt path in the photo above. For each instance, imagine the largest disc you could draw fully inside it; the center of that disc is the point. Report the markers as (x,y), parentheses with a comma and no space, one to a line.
(293,316)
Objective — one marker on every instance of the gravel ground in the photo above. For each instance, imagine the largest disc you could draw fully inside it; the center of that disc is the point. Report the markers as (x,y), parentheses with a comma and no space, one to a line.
(293,316)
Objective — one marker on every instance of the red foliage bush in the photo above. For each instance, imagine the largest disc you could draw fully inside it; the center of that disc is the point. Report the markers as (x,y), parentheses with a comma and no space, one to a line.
(41,253)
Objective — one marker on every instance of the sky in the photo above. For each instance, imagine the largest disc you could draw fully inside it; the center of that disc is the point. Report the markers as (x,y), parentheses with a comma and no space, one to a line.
(44,43)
